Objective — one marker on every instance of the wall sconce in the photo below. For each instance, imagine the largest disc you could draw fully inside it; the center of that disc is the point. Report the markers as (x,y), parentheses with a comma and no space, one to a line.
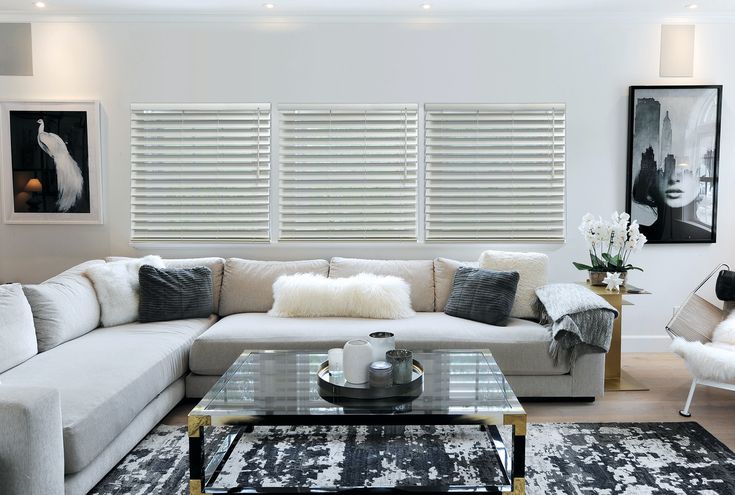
(677,50)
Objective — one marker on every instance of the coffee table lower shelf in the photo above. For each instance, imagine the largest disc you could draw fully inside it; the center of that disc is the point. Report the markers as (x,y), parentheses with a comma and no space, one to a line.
(203,472)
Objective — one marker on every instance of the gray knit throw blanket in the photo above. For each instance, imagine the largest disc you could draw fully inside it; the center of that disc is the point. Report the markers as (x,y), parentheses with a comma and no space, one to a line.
(579,320)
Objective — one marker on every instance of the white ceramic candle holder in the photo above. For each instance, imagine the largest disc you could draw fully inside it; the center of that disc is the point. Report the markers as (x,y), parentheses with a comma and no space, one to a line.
(356,358)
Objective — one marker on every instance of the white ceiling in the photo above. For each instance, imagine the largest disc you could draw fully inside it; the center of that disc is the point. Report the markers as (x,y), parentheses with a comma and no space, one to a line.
(537,8)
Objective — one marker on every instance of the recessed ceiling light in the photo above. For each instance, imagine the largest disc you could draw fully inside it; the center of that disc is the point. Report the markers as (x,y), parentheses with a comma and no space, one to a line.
(269,5)
(692,6)
(40,5)
(426,6)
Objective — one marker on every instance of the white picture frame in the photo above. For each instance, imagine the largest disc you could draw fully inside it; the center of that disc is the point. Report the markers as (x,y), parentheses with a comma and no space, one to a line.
(70,197)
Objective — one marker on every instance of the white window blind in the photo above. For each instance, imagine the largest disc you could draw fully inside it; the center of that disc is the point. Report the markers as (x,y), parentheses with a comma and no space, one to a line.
(495,172)
(200,172)
(348,172)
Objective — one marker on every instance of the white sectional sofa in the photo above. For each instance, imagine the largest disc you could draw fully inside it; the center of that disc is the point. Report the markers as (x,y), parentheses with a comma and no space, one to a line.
(71,412)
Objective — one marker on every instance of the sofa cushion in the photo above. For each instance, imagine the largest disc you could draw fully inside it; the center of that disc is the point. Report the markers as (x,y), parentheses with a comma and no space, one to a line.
(444,270)
(418,273)
(174,293)
(247,285)
(533,269)
(64,307)
(106,377)
(521,347)
(482,295)
(117,287)
(217,265)
(17,334)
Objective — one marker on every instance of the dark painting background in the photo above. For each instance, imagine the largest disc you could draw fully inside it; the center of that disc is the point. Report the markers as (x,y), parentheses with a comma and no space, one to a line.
(30,161)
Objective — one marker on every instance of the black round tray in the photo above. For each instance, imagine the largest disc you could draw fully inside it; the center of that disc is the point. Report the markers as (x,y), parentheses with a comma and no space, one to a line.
(336,387)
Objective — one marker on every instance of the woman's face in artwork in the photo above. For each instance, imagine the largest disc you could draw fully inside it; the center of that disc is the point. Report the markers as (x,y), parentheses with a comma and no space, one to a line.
(678,187)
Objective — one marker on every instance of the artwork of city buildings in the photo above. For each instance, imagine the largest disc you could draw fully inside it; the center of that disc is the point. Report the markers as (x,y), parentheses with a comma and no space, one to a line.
(672,161)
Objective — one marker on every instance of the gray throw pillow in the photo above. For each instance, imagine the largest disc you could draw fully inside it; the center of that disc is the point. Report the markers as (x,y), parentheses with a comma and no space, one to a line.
(482,295)
(174,293)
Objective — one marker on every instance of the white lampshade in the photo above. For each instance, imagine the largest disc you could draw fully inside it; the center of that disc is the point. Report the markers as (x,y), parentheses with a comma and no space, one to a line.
(677,50)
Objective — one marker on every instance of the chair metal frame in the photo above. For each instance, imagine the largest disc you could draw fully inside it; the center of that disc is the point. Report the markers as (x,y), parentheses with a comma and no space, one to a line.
(697,381)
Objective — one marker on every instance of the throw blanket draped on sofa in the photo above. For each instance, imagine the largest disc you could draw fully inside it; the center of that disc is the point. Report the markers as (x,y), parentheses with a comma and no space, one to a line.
(579,320)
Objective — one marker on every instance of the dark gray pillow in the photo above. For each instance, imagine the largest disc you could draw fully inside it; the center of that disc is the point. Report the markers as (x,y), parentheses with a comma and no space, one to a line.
(482,295)
(174,293)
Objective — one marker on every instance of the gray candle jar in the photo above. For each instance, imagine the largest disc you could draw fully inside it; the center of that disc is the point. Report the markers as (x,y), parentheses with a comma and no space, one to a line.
(380,374)
(402,361)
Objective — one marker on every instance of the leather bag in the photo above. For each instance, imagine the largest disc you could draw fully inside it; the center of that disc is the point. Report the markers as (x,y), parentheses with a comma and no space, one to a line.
(725,286)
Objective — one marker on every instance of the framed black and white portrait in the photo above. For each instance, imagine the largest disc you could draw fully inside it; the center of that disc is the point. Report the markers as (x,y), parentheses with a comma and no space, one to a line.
(673,156)
(51,171)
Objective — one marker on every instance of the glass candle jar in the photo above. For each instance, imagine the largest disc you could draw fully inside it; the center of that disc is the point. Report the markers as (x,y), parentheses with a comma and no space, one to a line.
(380,374)
(402,361)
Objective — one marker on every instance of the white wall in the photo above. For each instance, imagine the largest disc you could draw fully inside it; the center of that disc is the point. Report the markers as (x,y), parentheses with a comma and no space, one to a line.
(588,65)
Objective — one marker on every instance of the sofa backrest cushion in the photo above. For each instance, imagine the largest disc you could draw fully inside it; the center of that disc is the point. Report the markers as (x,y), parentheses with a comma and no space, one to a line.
(418,273)
(217,265)
(533,269)
(444,270)
(247,285)
(64,307)
(17,334)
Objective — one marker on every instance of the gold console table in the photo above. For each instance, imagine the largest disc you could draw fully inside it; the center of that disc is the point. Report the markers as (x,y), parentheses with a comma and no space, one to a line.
(616,379)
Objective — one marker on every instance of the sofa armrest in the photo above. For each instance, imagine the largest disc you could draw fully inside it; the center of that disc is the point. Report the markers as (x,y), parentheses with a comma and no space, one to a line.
(31,441)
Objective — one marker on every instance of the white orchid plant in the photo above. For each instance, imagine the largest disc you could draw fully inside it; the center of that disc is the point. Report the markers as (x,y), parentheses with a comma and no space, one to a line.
(611,243)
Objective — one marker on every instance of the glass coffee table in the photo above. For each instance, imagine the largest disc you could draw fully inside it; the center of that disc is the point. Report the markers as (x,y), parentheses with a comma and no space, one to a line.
(280,388)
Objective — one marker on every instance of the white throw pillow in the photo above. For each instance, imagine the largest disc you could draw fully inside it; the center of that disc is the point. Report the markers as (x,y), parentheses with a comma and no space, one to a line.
(533,269)
(117,288)
(17,333)
(361,296)
(724,333)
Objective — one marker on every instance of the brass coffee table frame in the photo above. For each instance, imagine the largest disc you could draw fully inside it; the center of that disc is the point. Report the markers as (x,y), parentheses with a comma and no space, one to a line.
(200,471)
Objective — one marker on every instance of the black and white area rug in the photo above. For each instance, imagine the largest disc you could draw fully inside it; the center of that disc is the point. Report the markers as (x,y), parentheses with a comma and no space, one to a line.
(576,459)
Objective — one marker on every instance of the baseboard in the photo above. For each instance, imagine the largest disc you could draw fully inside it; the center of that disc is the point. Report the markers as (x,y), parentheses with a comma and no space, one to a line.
(646,343)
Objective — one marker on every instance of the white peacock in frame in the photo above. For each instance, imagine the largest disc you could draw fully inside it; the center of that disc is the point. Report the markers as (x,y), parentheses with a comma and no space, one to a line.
(51,170)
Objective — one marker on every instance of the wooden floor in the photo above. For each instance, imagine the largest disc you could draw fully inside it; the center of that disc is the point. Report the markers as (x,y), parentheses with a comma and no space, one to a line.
(665,375)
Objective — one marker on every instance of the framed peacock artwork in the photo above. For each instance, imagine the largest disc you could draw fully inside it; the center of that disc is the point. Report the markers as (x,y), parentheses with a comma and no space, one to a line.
(51,168)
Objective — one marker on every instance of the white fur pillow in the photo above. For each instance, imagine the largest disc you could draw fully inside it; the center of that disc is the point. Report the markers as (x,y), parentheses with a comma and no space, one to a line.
(724,333)
(361,296)
(117,288)
(533,271)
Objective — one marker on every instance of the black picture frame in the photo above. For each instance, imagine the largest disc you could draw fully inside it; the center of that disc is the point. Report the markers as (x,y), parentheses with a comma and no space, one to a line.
(660,183)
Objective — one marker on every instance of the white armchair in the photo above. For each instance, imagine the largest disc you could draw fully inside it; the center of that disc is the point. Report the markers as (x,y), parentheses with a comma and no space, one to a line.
(712,363)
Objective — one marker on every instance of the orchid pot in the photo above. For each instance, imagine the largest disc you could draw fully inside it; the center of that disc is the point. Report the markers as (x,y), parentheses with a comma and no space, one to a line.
(597,278)
(610,245)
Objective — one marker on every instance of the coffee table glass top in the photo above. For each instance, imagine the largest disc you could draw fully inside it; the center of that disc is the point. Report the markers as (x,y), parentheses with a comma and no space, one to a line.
(284,383)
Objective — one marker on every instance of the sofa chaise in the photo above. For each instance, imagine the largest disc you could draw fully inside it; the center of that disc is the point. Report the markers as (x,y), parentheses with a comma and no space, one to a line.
(72,411)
